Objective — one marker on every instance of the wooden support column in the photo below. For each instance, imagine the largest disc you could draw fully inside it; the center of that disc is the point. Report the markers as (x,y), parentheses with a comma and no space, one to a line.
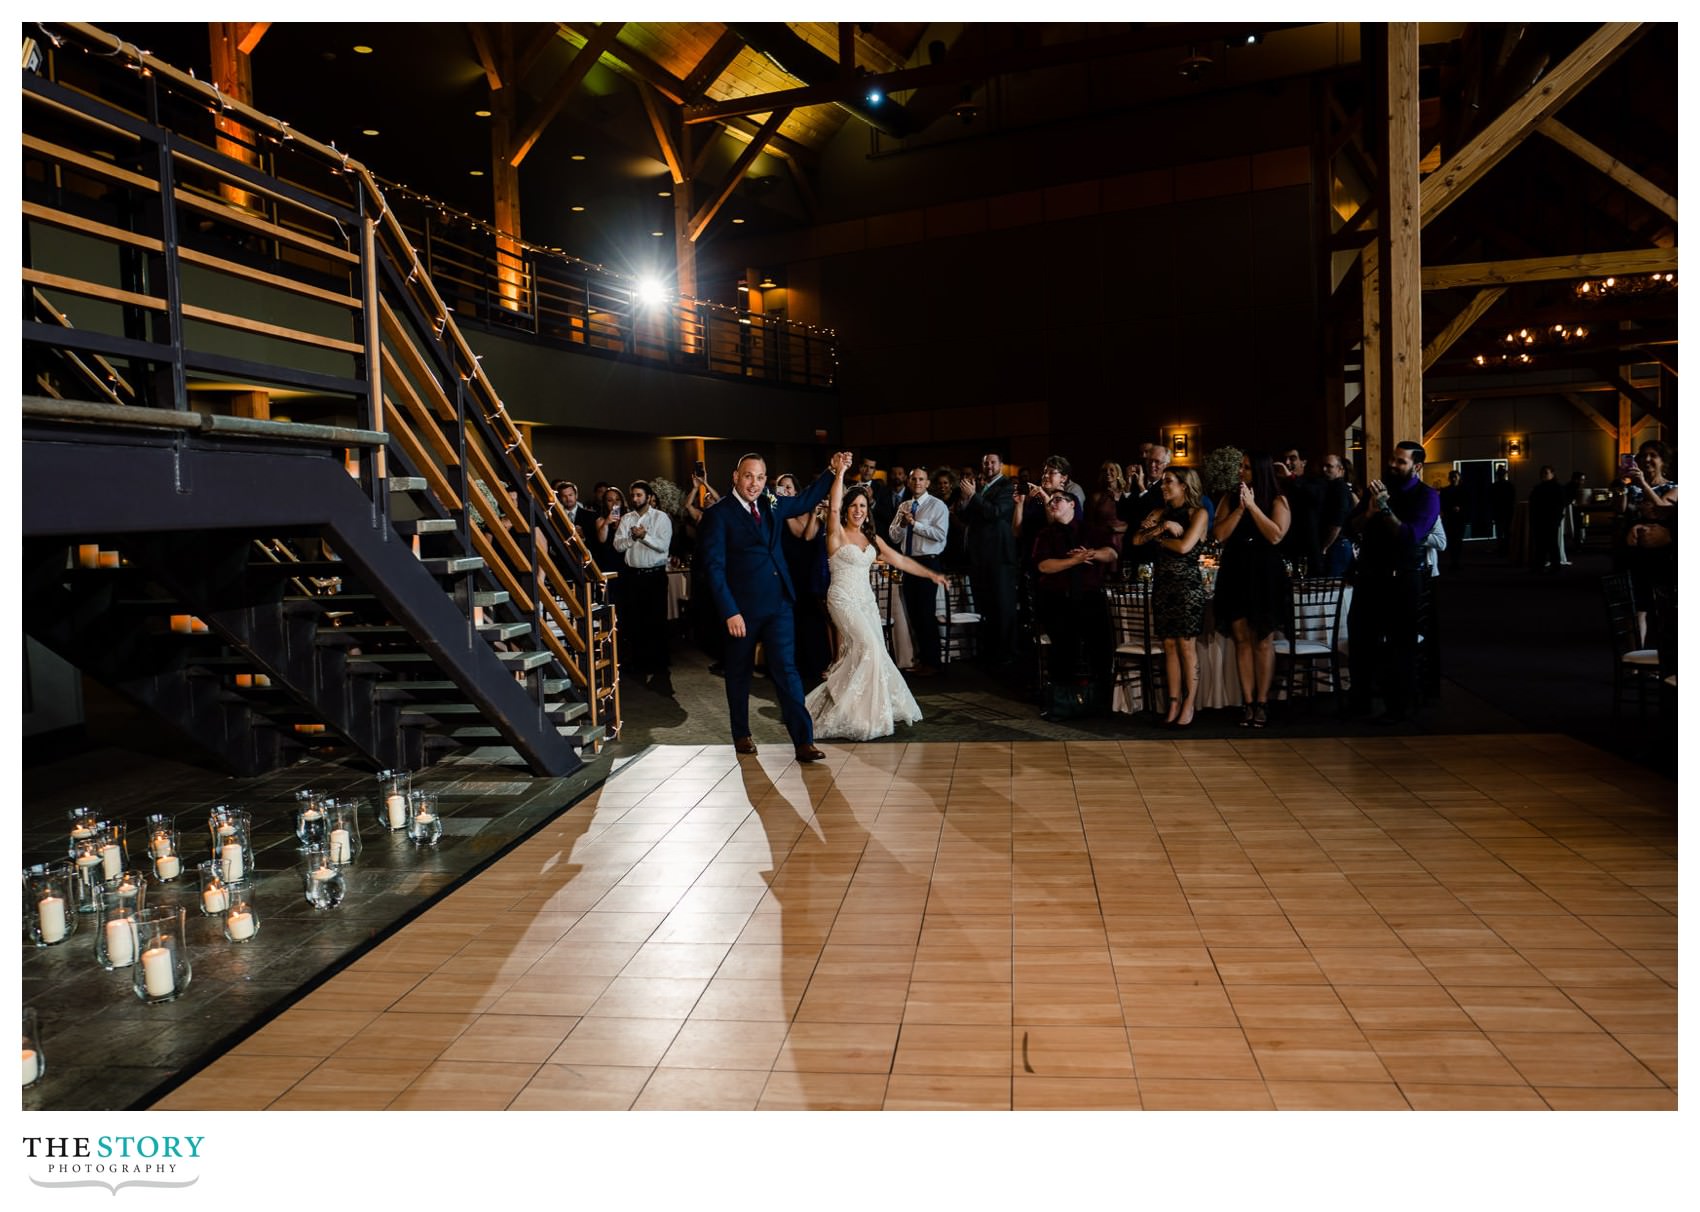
(1400,241)
(233,72)
(256,405)
(497,52)
(1625,425)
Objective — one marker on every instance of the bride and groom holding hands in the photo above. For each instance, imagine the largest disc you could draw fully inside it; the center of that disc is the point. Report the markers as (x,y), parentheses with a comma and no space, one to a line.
(863,696)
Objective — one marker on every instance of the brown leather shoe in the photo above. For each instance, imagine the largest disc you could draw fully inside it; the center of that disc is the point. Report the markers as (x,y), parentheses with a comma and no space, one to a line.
(745,744)
(808,753)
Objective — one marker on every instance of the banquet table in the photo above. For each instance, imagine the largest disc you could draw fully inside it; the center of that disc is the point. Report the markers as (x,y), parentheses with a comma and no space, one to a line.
(902,642)
(678,591)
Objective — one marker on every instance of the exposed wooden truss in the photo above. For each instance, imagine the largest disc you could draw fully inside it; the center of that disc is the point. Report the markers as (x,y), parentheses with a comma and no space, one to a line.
(601,39)
(1550,269)
(1610,165)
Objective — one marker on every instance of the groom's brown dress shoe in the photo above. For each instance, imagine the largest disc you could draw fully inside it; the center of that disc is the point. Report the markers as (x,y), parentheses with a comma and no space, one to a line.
(745,744)
(808,753)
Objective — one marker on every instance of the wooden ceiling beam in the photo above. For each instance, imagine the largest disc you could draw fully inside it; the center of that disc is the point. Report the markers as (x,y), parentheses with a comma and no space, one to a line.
(1472,161)
(249,33)
(1625,388)
(1610,165)
(701,220)
(486,55)
(1445,419)
(600,40)
(636,63)
(541,40)
(1550,269)
(1461,324)
(971,68)
(847,49)
(1586,409)
(658,122)
(709,68)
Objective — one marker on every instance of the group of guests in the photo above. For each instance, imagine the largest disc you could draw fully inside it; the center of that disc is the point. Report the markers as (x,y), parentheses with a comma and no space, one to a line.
(1039,554)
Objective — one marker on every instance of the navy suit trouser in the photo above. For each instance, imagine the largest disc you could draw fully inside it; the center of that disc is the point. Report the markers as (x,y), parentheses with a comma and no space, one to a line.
(776,632)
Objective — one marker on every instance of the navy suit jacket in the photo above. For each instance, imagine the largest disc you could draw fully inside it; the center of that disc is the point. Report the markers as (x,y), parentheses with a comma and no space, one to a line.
(744,563)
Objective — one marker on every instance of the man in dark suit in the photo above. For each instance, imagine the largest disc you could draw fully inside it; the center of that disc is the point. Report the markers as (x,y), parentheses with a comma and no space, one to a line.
(880,501)
(739,547)
(989,514)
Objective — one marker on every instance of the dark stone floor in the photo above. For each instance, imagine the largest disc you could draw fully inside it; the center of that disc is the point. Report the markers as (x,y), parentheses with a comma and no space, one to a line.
(106,1049)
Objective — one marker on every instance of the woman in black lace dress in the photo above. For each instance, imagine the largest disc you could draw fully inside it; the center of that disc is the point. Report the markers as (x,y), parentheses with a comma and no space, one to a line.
(1253,595)
(1177,589)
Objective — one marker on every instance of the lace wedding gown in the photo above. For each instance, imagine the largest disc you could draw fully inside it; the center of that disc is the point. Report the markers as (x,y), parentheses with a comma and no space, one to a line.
(863,696)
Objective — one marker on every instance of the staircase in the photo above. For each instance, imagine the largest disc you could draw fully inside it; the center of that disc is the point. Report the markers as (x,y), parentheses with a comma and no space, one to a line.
(353,578)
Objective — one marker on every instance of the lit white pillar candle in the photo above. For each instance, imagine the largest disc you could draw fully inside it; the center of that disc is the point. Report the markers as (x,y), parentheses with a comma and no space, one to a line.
(167,866)
(81,832)
(84,862)
(120,943)
(341,851)
(239,925)
(396,805)
(216,899)
(32,1065)
(225,830)
(88,555)
(425,817)
(50,912)
(158,975)
(111,860)
(324,874)
(230,860)
(161,845)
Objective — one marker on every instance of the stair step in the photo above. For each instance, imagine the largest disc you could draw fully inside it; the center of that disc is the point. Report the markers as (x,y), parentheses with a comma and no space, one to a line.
(503,631)
(585,734)
(551,687)
(563,709)
(443,566)
(490,597)
(524,660)
(426,526)
(377,660)
(361,630)
(407,483)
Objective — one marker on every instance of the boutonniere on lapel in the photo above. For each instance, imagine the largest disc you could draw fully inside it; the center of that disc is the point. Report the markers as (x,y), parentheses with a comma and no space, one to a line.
(771,499)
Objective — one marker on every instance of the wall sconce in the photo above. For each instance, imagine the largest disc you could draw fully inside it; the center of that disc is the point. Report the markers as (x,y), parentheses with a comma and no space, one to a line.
(1516,446)
(767,283)
(1179,442)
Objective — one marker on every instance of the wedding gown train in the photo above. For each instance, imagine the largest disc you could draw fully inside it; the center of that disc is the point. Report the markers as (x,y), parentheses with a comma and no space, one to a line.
(863,696)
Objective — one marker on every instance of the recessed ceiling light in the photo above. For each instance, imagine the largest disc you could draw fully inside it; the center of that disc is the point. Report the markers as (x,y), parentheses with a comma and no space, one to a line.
(477,172)
(480,113)
(576,156)
(657,233)
(362,50)
(576,209)
(664,194)
(737,220)
(368,132)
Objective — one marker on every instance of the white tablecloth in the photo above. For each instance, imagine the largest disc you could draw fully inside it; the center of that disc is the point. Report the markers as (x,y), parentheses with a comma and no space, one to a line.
(678,591)
(902,642)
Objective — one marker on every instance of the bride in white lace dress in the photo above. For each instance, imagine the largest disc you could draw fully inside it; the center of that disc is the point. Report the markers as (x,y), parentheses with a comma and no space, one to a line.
(863,696)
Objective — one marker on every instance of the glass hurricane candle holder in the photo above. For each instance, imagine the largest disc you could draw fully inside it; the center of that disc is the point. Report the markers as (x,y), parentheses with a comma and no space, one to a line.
(215,891)
(82,824)
(242,921)
(49,904)
(322,881)
(161,971)
(312,825)
(87,865)
(130,888)
(425,823)
(163,846)
(231,829)
(115,932)
(35,1061)
(344,835)
(394,788)
(112,838)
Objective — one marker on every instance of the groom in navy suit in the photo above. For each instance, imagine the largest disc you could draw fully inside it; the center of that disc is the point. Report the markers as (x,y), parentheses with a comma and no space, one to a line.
(741,555)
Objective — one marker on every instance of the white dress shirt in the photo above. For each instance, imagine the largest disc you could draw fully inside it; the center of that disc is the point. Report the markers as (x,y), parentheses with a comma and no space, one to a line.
(932,524)
(651,550)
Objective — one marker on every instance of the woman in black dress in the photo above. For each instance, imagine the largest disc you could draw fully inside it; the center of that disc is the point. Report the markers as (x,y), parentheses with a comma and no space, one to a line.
(1177,588)
(1253,595)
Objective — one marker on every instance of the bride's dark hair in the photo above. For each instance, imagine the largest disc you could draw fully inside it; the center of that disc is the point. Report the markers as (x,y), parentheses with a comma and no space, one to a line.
(868,520)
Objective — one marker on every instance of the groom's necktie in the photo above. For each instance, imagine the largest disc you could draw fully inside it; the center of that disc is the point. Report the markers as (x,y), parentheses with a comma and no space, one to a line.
(909,535)
(755,513)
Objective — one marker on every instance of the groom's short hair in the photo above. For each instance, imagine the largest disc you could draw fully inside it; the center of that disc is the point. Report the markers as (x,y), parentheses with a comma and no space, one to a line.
(742,459)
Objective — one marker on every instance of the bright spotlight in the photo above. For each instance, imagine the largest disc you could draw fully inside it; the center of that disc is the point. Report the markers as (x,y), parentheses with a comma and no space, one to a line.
(875,96)
(650,292)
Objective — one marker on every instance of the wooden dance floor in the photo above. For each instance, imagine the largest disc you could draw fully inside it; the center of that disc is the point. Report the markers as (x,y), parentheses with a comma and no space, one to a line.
(1411,922)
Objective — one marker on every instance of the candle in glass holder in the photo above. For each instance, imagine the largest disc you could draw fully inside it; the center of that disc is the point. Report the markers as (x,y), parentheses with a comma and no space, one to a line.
(161,844)
(88,555)
(215,899)
(197,626)
(395,804)
(108,559)
(245,680)
(32,1064)
(85,864)
(111,860)
(239,925)
(167,866)
(341,852)
(157,975)
(262,679)
(50,913)
(230,858)
(182,624)
(120,942)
